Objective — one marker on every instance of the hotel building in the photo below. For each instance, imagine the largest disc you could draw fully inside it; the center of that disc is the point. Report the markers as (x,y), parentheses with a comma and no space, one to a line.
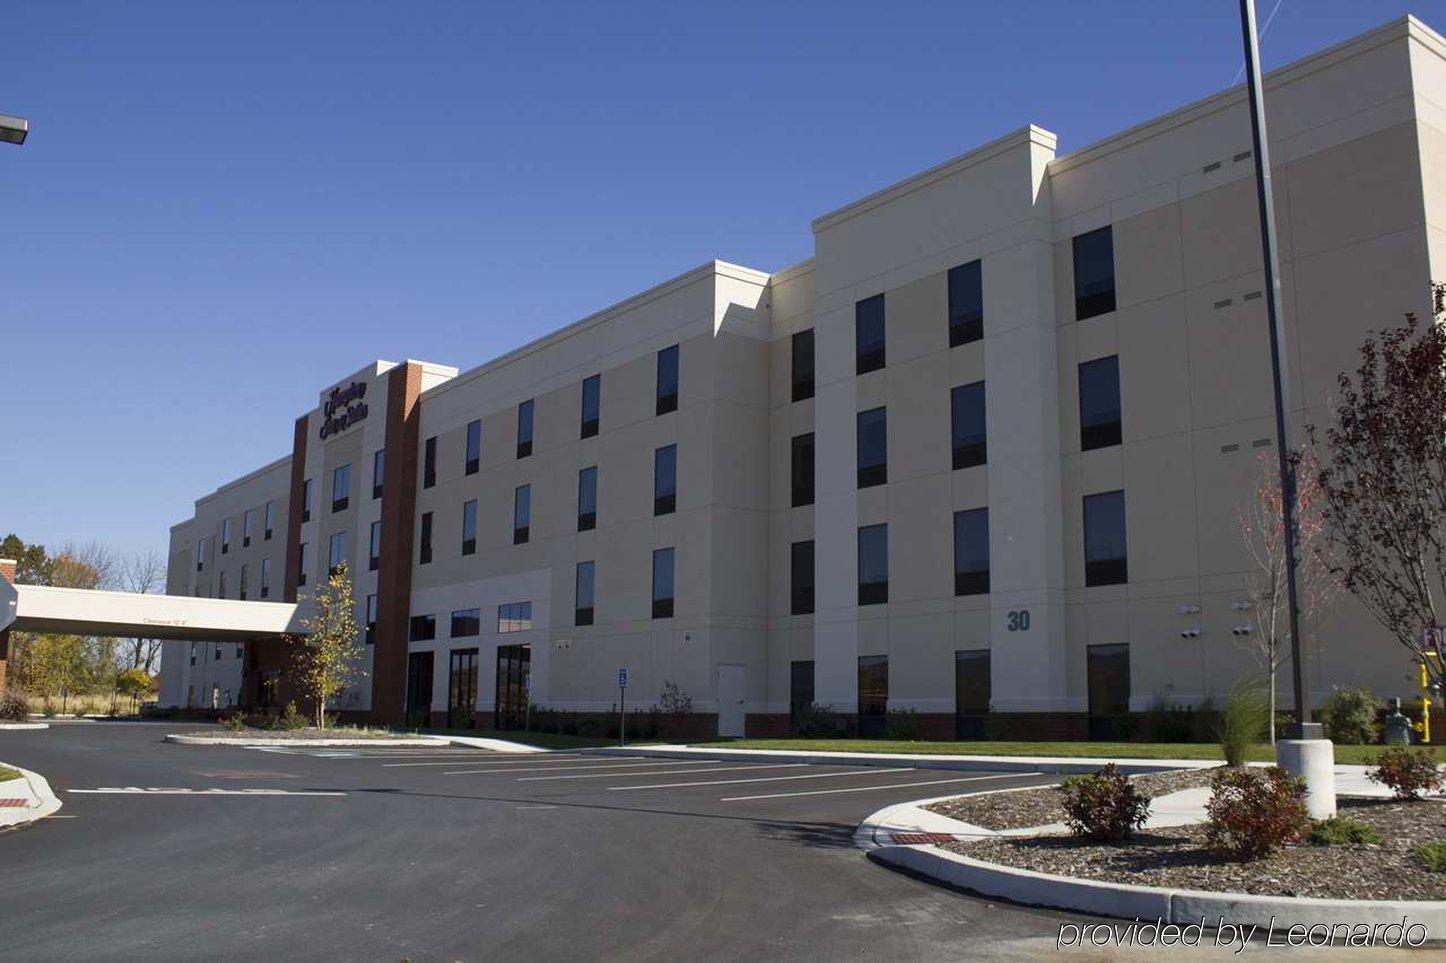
(984,452)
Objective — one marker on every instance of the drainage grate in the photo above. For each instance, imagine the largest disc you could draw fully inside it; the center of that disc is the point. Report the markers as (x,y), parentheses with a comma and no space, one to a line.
(919,839)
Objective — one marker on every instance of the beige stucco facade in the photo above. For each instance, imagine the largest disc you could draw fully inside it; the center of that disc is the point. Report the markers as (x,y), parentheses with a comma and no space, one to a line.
(1360,182)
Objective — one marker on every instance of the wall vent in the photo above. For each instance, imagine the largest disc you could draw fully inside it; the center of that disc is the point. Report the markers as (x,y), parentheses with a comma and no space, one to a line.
(1242,156)
(1227,449)
(1224,303)
(1260,443)
(1210,167)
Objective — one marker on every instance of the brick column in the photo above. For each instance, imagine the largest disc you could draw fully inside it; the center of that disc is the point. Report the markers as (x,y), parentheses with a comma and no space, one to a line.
(394,571)
(7,572)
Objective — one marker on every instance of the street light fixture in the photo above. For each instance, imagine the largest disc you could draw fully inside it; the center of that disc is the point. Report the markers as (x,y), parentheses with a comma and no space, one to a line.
(13,129)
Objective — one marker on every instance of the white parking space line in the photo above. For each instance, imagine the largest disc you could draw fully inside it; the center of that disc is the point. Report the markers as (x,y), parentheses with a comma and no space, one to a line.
(728,782)
(612,765)
(158,791)
(490,762)
(664,772)
(897,785)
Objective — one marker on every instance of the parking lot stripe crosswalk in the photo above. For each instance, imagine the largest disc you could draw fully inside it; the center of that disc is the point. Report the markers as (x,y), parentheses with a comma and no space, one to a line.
(897,785)
(728,782)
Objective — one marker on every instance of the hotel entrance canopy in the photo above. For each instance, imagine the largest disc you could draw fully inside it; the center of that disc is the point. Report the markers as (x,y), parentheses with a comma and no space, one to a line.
(68,611)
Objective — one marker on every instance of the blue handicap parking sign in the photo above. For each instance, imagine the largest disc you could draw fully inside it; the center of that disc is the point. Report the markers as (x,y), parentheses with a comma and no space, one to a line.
(622,678)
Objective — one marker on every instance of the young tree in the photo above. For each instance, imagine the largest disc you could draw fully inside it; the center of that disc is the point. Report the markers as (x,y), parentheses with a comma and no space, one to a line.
(133,683)
(325,659)
(1262,529)
(1383,475)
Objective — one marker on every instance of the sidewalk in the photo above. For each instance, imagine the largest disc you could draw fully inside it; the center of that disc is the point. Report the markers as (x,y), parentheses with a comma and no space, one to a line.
(25,800)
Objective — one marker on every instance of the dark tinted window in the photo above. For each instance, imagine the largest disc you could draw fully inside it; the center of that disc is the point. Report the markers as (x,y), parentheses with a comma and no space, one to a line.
(583,608)
(521,514)
(1099,403)
(800,691)
(873,695)
(966,404)
(801,578)
(662,583)
(1104,538)
(306,500)
(802,470)
(869,334)
(429,462)
(873,447)
(379,472)
(873,564)
(665,480)
(469,527)
(591,405)
(524,429)
(340,488)
(374,549)
(466,622)
(667,380)
(371,619)
(423,628)
(474,447)
(971,552)
(1094,273)
(587,499)
(966,304)
(803,365)
(426,552)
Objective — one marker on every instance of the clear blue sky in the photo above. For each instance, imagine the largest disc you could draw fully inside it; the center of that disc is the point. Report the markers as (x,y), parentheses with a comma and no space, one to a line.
(223,206)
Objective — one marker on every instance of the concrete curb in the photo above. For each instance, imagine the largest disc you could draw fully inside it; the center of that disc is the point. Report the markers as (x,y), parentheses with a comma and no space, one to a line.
(1050,765)
(23,725)
(496,745)
(184,740)
(45,802)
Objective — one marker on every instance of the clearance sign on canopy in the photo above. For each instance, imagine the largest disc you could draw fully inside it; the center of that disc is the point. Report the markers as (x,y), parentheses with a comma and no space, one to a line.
(343,408)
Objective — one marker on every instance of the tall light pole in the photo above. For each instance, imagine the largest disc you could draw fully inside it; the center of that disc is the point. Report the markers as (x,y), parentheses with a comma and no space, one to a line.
(13,129)
(1304,752)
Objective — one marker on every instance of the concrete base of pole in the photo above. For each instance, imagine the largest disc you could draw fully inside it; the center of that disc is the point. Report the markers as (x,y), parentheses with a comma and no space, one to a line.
(1314,761)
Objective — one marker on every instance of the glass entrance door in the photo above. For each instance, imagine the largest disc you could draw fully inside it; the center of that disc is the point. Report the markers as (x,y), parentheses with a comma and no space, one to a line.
(873,695)
(419,689)
(971,693)
(514,668)
(462,689)
(1108,676)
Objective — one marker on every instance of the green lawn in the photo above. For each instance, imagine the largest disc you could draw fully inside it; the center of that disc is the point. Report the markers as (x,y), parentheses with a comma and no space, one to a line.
(6,773)
(1120,750)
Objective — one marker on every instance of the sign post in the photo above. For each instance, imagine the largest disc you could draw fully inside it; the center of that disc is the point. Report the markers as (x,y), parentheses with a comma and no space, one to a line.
(622,707)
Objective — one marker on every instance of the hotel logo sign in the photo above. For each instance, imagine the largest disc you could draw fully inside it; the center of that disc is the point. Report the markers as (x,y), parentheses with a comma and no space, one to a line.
(343,408)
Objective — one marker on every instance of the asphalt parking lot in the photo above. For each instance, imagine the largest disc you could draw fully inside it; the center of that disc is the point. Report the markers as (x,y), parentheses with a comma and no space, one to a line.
(168,852)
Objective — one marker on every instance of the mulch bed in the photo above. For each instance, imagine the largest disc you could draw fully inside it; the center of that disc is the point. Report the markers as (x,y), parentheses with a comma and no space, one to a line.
(1178,858)
(1041,807)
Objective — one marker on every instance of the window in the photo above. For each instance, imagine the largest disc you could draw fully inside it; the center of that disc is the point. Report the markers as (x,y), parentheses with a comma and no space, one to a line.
(429,462)
(248,525)
(379,472)
(303,563)
(268,520)
(582,608)
(426,554)
(265,578)
(966,304)
(524,429)
(462,688)
(873,438)
(665,480)
(469,527)
(200,554)
(972,692)
(1094,273)
(474,448)
(371,619)
(225,535)
(220,585)
(873,695)
(667,380)
(663,583)
(514,617)
(336,554)
(1099,403)
(801,578)
(869,334)
(802,470)
(466,622)
(591,405)
(971,552)
(306,500)
(423,628)
(803,365)
(341,488)
(966,404)
(873,564)
(1104,538)
(521,514)
(374,547)
(587,499)
(241,587)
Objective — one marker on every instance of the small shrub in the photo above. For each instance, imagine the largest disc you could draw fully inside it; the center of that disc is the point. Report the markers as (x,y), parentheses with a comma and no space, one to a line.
(13,707)
(1340,831)
(49,710)
(461,718)
(235,722)
(1406,772)
(290,718)
(816,722)
(1253,813)
(417,719)
(1433,856)
(902,724)
(674,701)
(1349,715)
(1242,723)
(1104,806)
(1163,722)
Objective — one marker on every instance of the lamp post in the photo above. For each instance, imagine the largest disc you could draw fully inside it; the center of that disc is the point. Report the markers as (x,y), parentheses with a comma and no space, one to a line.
(1304,752)
(13,129)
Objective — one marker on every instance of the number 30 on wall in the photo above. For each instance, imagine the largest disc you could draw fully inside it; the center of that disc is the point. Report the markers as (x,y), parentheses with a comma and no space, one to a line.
(1017,620)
